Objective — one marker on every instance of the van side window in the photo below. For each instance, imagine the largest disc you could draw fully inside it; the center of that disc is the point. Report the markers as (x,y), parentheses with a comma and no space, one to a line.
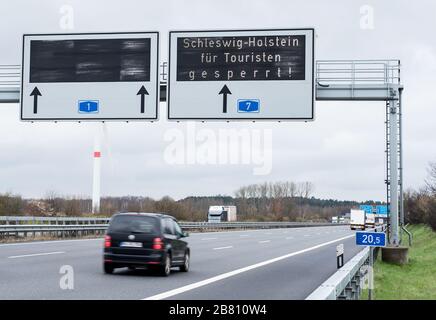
(179,231)
(169,226)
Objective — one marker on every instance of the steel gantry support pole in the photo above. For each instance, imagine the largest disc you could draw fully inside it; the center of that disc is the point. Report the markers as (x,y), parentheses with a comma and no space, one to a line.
(96,172)
(394,178)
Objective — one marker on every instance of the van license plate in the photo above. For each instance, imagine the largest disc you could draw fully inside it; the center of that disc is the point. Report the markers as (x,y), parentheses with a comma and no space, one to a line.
(131,244)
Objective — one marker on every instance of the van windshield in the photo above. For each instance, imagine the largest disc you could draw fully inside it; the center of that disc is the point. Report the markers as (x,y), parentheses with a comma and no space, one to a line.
(134,224)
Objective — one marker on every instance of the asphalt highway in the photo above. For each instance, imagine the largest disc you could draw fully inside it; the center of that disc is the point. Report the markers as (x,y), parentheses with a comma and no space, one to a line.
(256,264)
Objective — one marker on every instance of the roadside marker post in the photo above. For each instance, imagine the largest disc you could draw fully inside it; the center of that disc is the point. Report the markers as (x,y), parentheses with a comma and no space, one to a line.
(340,255)
(371,240)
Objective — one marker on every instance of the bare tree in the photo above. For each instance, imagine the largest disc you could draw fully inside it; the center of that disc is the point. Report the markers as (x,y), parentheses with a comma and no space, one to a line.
(430,182)
(54,201)
(252,191)
(263,190)
(241,193)
(292,186)
(308,188)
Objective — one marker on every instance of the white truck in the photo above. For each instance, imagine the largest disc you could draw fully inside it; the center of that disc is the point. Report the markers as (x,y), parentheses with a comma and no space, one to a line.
(221,214)
(379,221)
(335,220)
(357,219)
(370,220)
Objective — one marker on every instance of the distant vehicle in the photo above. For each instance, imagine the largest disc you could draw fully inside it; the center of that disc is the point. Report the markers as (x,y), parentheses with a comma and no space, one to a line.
(221,213)
(335,220)
(370,220)
(145,240)
(341,220)
(357,219)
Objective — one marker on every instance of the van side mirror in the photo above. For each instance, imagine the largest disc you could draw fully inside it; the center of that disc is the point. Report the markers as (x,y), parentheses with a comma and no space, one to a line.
(185,234)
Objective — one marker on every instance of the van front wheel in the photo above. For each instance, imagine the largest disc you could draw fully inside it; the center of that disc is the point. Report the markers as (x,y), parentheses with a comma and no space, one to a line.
(186,262)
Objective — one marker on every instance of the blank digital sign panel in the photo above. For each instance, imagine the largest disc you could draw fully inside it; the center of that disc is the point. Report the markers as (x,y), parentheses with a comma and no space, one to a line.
(90,77)
(90,60)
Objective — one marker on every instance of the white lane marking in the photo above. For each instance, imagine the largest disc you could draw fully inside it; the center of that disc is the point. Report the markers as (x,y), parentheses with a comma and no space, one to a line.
(222,248)
(267,233)
(226,275)
(244,235)
(98,239)
(228,232)
(307,235)
(289,238)
(36,254)
(264,241)
(46,242)
(208,238)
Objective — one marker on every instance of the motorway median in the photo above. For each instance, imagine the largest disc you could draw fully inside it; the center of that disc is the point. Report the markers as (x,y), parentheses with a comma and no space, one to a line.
(414,281)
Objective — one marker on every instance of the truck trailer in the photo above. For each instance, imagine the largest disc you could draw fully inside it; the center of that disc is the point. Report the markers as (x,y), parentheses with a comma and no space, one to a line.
(370,220)
(357,219)
(221,214)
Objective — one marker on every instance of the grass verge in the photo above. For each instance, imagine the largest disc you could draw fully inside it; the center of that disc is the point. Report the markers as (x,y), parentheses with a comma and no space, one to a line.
(415,281)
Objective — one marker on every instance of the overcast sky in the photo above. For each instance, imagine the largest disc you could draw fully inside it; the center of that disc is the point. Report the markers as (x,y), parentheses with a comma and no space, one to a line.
(341,152)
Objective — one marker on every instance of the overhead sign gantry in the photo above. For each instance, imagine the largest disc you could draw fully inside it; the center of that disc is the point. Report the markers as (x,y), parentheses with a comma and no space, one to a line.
(212,76)
(241,75)
(92,76)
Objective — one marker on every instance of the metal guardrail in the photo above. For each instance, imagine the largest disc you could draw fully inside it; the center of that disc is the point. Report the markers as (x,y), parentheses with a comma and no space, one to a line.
(74,226)
(50,228)
(347,282)
(360,80)
(355,72)
(10,75)
(50,220)
(249,225)
(331,71)
(10,78)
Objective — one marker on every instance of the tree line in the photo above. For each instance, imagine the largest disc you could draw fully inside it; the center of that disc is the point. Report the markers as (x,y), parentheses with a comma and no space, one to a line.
(268,201)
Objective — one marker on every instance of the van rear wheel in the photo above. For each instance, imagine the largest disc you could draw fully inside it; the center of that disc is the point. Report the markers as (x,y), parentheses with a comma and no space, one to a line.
(108,268)
(166,268)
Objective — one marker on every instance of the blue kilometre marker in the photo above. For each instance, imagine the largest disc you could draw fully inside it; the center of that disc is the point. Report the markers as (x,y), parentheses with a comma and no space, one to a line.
(372,239)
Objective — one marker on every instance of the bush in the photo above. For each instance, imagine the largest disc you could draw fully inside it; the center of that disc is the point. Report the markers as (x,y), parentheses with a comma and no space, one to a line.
(415,207)
(11,205)
(431,213)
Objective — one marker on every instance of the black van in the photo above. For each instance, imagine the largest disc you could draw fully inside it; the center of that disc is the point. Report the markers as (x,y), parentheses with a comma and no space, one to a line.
(153,240)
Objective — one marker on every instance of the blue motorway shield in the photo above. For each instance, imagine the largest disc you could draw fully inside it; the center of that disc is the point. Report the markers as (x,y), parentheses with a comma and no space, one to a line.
(88,106)
(248,105)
